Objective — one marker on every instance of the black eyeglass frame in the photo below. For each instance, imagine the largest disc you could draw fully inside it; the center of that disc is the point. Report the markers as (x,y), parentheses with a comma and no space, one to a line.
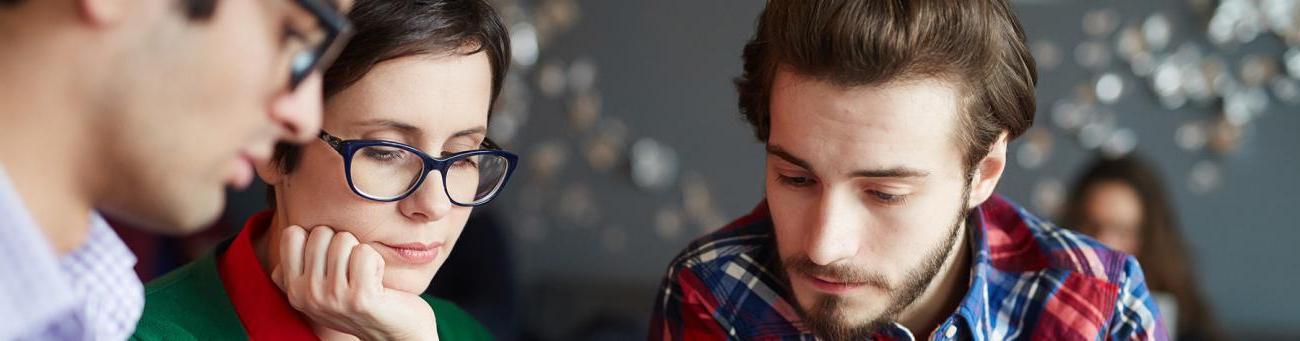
(338,30)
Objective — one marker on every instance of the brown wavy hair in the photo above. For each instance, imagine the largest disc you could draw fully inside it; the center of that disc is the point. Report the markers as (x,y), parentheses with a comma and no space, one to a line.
(979,46)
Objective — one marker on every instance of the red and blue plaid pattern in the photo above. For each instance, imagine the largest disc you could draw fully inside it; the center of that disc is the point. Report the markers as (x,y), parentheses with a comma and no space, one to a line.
(1030,280)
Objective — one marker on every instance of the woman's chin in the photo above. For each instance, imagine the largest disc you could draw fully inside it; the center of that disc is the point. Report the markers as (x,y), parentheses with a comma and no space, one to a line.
(409,280)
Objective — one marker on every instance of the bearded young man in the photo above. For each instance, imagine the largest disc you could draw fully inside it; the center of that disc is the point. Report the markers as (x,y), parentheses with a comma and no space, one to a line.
(886,125)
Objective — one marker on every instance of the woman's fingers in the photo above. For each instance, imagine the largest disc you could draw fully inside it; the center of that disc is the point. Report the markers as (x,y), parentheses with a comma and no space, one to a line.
(336,280)
(291,246)
(276,275)
(365,270)
(340,253)
(318,242)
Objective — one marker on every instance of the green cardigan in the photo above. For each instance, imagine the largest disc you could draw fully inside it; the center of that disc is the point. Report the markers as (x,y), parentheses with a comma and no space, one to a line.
(190,303)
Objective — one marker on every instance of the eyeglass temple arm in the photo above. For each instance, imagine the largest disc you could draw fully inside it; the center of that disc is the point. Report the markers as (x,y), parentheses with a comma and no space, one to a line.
(489,144)
(331,140)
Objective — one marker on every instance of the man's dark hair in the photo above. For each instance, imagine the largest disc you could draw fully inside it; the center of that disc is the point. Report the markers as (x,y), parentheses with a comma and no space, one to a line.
(976,45)
(388,29)
(7,3)
(199,9)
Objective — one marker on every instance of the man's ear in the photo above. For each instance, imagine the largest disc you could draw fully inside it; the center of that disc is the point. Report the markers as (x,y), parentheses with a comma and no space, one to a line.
(105,12)
(988,171)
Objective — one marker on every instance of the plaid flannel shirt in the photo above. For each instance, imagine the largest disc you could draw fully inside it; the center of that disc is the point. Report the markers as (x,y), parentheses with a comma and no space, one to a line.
(1030,279)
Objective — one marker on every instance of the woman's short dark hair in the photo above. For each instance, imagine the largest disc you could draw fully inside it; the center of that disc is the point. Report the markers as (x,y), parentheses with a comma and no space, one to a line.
(390,29)
(979,46)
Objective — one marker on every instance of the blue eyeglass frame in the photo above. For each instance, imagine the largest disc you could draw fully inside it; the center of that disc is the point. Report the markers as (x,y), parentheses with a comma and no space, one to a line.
(348,148)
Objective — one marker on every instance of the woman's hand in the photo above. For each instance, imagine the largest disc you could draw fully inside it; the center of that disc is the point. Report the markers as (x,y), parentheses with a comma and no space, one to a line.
(338,283)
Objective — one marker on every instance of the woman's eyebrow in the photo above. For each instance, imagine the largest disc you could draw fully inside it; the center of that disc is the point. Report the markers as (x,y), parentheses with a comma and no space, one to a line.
(412,131)
(479,130)
(401,127)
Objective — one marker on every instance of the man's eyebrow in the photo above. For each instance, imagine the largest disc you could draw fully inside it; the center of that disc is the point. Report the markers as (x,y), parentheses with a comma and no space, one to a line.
(893,172)
(777,151)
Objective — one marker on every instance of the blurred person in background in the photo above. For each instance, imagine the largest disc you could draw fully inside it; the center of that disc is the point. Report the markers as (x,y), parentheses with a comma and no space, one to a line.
(144,111)
(1123,204)
(886,126)
(363,217)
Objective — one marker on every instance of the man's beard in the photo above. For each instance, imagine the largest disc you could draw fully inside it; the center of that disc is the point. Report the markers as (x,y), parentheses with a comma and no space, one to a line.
(826,317)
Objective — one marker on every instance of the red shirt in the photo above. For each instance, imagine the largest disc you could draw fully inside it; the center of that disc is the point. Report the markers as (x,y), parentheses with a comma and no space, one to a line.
(263,309)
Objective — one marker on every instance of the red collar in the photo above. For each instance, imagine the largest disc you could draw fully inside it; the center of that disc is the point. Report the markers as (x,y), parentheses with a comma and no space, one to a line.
(262,307)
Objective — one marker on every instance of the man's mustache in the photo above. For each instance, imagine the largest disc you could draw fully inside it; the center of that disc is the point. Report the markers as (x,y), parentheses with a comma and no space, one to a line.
(836,273)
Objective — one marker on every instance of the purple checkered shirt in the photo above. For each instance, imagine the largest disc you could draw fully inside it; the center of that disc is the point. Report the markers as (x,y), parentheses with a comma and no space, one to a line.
(91,293)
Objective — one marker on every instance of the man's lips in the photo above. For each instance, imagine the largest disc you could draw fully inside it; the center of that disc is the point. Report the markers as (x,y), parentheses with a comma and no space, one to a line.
(241,172)
(832,286)
(259,152)
(245,163)
(414,253)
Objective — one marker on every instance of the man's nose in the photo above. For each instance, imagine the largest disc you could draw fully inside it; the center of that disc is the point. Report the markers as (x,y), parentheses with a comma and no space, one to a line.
(298,112)
(836,232)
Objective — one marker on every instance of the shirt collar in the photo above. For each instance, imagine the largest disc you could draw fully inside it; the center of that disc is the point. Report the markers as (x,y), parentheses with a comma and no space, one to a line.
(94,283)
(1002,246)
(263,309)
(102,272)
(974,307)
(34,289)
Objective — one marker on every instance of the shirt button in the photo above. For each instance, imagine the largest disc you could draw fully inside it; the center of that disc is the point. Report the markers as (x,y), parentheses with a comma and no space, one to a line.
(950,332)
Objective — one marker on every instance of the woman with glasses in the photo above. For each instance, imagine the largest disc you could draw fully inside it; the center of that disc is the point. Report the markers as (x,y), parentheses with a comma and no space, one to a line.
(362,218)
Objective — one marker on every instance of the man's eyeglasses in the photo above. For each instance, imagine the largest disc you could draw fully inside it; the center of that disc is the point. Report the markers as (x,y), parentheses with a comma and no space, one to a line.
(319,50)
(389,171)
